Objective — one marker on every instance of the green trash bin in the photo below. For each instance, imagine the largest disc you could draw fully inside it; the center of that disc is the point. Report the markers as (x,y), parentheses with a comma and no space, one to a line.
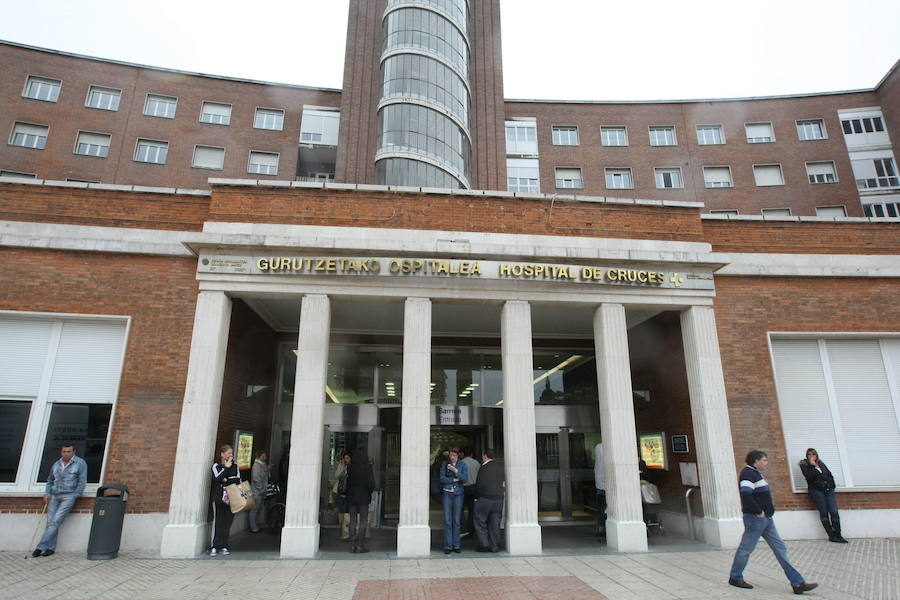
(106,526)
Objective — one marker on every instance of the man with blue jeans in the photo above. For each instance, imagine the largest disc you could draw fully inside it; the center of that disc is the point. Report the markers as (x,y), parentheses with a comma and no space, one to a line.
(756,504)
(65,484)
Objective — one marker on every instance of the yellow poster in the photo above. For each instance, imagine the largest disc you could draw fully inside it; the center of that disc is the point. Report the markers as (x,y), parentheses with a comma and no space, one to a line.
(653,450)
(244,450)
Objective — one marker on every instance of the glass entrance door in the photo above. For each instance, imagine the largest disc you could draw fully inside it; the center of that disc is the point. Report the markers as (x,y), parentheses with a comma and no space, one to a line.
(565,475)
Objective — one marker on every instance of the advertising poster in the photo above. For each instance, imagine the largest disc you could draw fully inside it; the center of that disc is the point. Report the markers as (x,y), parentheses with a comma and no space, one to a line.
(243,449)
(653,449)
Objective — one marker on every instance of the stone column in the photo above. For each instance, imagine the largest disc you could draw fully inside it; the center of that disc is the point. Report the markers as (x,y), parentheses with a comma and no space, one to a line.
(187,533)
(413,531)
(625,528)
(722,521)
(523,534)
(300,536)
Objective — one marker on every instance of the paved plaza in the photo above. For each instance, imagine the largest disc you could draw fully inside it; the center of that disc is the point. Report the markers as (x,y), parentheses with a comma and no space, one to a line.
(867,569)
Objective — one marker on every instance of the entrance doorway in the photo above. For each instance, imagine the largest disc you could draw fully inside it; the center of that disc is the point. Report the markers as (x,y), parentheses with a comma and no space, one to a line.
(565,475)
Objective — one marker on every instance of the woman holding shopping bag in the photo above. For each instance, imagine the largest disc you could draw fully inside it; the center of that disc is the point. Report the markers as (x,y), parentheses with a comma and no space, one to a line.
(224,472)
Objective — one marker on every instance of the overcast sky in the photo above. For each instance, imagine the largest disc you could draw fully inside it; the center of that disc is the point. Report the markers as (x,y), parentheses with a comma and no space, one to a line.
(579,50)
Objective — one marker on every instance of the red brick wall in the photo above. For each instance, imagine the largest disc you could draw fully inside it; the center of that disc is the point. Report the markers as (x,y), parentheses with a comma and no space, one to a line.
(252,358)
(797,193)
(802,238)
(159,294)
(453,213)
(69,115)
(746,309)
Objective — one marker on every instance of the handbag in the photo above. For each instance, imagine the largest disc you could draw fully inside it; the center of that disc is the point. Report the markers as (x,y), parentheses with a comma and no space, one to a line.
(239,497)
(342,486)
(272,490)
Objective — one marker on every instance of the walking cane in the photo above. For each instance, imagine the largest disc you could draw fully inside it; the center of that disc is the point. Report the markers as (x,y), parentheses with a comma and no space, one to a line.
(37,528)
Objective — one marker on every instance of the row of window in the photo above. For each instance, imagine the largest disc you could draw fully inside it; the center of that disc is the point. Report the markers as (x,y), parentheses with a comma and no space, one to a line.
(664,135)
(523,178)
(149,151)
(104,98)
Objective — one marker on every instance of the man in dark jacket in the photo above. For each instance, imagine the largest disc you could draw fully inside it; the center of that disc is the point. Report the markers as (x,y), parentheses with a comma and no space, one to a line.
(489,490)
(360,485)
(756,504)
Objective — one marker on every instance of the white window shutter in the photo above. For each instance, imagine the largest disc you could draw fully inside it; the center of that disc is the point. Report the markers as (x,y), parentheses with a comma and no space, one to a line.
(88,362)
(863,169)
(868,416)
(97,139)
(714,174)
(24,344)
(768,175)
(805,410)
(209,158)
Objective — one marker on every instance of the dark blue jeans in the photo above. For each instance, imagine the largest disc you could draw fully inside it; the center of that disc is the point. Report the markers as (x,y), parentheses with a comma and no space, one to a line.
(453,504)
(826,503)
(754,528)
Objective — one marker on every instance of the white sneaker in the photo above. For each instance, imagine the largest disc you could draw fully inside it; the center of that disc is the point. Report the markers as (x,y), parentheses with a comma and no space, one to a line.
(212,552)
(225,552)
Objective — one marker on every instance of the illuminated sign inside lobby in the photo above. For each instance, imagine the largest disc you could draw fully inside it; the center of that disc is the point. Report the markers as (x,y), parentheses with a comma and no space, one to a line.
(330,266)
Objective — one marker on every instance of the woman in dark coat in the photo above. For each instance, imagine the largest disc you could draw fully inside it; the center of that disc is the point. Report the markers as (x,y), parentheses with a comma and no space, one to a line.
(360,485)
(821,489)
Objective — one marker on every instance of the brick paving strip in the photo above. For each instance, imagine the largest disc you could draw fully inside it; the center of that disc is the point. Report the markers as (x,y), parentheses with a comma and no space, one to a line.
(477,588)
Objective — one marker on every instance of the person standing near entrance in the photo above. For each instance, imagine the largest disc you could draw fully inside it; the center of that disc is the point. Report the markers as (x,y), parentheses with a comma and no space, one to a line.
(65,484)
(340,492)
(469,491)
(489,490)
(259,480)
(453,475)
(360,485)
(600,484)
(756,504)
(821,489)
(224,473)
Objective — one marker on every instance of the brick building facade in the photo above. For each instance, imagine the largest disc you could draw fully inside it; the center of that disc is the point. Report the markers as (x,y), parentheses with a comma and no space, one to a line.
(141,314)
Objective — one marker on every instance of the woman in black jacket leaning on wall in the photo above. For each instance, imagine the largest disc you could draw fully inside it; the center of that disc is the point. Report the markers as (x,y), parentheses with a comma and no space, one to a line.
(821,488)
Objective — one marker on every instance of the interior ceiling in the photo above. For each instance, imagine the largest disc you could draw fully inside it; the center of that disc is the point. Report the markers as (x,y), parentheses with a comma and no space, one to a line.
(451,319)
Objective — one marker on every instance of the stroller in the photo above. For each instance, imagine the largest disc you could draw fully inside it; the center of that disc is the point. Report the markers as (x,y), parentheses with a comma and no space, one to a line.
(649,498)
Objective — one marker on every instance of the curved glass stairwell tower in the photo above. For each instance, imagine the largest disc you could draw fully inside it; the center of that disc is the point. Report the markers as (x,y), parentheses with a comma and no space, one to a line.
(423,113)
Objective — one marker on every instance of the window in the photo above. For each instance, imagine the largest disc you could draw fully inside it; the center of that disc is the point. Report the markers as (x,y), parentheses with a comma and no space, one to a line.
(151,151)
(613,136)
(766,175)
(619,179)
(864,125)
(811,129)
(522,175)
(831,211)
(215,113)
(776,212)
(882,209)
(717,177)
(208,157)
(875,173)
(103,98)
(20,175)
(662,135)
(521,138)
(267,118)
(759,133)
(160,106)
(710,135)
(668,178)
(41,88)
(320,126)
(835,394)
(821,172)
(263,163)
(29,136)
(65,379)
(565,136)
(92,144)
(568,178)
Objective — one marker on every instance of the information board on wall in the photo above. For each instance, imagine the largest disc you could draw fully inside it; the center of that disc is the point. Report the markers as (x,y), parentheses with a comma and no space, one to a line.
(653,450)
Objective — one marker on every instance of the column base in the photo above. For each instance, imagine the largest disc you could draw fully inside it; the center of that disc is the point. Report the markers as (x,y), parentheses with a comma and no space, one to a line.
(300,542)
(723,533)
(524,539)
(184,541)
(413,541)
(626,536)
